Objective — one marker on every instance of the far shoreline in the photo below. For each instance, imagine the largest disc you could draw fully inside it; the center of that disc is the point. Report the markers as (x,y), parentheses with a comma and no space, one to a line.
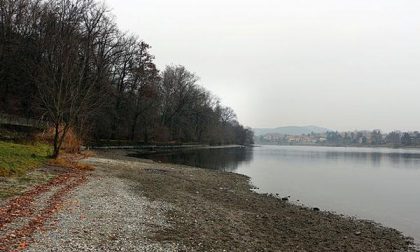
(345,146)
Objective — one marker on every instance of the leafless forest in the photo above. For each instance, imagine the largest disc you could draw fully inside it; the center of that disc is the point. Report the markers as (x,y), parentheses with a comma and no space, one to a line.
(66,62)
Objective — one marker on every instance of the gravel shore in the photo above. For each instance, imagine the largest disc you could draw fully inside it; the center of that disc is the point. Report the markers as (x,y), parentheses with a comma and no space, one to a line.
(105,214)
(139,205)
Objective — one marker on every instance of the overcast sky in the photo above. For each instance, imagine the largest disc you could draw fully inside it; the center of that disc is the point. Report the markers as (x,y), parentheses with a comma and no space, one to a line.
(341,64)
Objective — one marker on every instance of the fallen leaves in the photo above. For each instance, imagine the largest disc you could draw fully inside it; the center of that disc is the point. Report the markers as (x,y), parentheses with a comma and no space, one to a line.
(71,161)
(23,245)
(23,207)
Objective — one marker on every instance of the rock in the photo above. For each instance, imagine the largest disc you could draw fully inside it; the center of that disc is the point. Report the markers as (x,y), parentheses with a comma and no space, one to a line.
(316,209)
(285,199)
(357,233)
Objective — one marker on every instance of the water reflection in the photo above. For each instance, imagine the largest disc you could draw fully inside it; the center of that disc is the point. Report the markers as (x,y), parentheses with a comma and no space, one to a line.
(381,184)
(226,159)
(229,159)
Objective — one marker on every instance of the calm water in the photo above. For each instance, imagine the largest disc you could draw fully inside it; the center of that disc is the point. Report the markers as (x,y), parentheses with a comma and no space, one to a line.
(380,184)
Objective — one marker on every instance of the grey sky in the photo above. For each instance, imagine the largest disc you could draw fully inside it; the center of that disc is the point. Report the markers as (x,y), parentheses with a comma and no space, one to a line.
(341,64)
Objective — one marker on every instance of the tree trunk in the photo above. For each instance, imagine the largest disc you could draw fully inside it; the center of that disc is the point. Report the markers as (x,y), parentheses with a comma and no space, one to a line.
(56,150)
(146,136)
(133,127)
(58,140)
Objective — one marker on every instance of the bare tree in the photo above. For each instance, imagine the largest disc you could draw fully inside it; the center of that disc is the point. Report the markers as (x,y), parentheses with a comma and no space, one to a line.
(66,80)
(144,86)
(227,115)
(177,87)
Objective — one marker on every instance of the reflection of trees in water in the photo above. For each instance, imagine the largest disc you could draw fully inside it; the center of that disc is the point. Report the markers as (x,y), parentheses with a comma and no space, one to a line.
(229,159)
(225,159)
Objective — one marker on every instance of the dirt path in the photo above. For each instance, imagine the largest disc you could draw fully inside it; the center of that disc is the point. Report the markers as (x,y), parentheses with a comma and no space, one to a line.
(22,216)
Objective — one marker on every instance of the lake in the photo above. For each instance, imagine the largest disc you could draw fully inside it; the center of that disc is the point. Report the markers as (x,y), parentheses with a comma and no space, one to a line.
(380,184)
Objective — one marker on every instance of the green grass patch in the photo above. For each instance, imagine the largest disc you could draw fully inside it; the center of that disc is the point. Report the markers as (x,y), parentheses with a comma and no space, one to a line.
(18,159)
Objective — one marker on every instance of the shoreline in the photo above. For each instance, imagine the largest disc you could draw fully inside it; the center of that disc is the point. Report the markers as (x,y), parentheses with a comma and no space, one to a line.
(136,204)
(262,218)
(168,147)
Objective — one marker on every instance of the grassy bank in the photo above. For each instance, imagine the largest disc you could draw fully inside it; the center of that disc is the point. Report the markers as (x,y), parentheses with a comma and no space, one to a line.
(18,167)
(18,159)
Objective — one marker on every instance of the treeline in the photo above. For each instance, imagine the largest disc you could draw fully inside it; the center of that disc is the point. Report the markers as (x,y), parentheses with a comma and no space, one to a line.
(375,137)
(352,138)
(66,61)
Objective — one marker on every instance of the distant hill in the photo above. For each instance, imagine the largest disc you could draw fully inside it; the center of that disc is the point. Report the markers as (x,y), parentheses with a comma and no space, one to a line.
(290,130)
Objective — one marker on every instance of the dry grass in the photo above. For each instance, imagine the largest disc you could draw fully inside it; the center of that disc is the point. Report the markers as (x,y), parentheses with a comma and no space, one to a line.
(71,142)
(88,153)
(71,161)
(70,151)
